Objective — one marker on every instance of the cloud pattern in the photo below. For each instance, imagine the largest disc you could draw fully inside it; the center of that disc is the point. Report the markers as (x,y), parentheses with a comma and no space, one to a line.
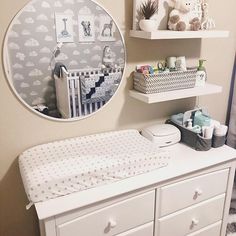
(32,39)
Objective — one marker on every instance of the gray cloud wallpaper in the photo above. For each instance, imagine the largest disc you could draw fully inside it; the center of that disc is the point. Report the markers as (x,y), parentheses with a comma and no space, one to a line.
(32,39)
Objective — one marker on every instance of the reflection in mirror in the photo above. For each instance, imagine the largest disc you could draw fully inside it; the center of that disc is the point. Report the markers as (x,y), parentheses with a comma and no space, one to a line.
(64,58)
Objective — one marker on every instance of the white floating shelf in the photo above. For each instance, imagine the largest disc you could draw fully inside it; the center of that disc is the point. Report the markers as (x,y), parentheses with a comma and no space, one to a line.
(176,94)
(169,34)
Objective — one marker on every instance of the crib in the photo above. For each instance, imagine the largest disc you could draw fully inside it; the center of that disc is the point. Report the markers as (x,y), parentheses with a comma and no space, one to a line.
(82,92)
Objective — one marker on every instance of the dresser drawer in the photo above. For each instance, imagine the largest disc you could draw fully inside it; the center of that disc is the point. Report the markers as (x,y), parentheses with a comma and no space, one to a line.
(212,230)
(113,219)
(144,230)
(188,192)
(194,218)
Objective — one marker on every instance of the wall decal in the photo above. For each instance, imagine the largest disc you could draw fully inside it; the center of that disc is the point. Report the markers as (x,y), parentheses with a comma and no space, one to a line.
(29,64)
(17,66)
(20,56)
(45,4)
(18,77)
(42,29)
(25,32)
(31,43)
(42,17)
(33,54)
(45,50)
(13,46)
(86,28)
(48,38)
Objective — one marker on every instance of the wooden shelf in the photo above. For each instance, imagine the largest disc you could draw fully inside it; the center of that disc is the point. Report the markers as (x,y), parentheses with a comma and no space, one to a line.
(176,94)
(168,34)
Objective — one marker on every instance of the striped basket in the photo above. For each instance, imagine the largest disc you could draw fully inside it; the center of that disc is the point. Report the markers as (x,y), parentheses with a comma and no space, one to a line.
(164,82)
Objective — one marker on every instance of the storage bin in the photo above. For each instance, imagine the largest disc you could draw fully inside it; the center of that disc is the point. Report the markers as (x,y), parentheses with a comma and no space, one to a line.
(192,139)
(218,141)
(165,81)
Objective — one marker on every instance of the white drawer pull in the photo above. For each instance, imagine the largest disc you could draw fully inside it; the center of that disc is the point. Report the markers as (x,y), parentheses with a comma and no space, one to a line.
(112,223)
(194,223)
(198,193)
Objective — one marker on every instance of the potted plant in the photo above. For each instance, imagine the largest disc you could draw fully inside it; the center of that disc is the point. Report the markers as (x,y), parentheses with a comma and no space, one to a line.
(147,10)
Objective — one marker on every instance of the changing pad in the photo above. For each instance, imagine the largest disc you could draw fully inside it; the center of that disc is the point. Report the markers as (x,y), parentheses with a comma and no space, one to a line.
(64,167)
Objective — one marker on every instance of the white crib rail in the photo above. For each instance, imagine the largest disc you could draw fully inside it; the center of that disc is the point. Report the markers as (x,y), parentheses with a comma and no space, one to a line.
(68,92)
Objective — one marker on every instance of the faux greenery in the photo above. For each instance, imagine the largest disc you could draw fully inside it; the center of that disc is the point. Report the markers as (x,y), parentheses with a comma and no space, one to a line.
(148,9)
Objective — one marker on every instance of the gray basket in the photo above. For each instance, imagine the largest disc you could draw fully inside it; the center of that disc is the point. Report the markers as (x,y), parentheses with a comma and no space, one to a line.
(166,81)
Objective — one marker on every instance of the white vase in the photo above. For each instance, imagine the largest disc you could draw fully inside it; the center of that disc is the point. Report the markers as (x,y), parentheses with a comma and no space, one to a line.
(148,25)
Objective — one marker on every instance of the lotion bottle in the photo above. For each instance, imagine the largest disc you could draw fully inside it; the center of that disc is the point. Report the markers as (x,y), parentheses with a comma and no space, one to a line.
(201,74)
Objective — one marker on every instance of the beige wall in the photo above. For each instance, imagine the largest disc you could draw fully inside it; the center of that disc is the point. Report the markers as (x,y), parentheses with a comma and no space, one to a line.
(21,129)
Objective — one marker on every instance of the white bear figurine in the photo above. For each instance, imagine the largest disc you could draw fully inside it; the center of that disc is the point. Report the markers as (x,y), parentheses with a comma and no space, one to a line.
(181,18)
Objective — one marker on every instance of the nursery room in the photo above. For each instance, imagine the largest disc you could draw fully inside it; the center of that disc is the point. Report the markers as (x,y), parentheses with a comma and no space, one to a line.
(118,118)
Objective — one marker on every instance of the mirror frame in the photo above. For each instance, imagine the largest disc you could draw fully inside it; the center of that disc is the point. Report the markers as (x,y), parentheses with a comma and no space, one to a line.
(8,76)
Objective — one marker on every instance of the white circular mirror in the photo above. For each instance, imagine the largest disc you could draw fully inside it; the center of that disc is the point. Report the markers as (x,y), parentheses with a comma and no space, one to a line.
(64,59)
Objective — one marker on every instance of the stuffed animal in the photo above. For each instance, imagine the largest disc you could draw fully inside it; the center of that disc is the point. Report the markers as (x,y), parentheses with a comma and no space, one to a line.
(181,18)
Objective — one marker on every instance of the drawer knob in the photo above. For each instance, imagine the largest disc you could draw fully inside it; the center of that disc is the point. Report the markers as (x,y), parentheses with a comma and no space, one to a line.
(198,193)
(194,223)
(112,223)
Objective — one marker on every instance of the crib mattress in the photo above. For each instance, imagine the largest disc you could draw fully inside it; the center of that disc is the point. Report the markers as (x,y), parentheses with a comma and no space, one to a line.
(59,168)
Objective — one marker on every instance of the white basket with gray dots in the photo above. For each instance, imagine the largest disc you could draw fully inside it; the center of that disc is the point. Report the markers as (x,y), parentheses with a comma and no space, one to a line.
(165,81)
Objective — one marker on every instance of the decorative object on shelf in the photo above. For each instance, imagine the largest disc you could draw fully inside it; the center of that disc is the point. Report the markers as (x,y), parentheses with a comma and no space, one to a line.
(197,9)
(171,63)
(147,10)
(182,17)
(176,63)
(161,17)
(108,60)
(201,74)
(181,64)
(207,22)
(64,28)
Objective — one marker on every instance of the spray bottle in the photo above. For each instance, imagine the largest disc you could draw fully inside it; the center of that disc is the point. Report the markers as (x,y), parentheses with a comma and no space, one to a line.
(201,74)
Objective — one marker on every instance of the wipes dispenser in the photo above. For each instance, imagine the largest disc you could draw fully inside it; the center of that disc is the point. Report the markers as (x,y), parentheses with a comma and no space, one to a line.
(201,74)
(162,135)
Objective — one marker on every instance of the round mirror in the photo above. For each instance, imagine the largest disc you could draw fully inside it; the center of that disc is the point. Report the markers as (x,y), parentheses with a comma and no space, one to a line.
(64,59)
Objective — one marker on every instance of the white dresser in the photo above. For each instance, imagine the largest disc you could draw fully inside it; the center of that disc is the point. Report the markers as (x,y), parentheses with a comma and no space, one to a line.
(190,197)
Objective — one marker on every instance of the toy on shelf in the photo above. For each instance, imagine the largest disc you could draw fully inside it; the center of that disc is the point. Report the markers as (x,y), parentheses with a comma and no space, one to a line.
(182,17)
(146,11)
(207,22)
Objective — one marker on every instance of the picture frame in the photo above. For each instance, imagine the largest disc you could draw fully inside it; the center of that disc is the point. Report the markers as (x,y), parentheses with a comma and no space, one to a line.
(86,28)
(64,28)
(107,29)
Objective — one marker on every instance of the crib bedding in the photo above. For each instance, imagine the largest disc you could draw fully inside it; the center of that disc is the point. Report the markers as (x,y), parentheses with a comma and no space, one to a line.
(59,168)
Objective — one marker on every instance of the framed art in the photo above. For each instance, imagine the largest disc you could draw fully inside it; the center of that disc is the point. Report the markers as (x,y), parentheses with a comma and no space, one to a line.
(86,28)
(107,29)
(64,28)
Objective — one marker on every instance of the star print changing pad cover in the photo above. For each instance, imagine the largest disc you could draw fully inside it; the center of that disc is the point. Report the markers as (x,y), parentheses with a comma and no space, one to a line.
(67,166)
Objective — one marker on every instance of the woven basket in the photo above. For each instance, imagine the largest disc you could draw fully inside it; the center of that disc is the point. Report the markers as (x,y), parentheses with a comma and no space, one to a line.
(164,82)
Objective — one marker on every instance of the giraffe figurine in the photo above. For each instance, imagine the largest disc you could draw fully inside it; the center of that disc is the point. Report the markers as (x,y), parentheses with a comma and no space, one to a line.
(207,22)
